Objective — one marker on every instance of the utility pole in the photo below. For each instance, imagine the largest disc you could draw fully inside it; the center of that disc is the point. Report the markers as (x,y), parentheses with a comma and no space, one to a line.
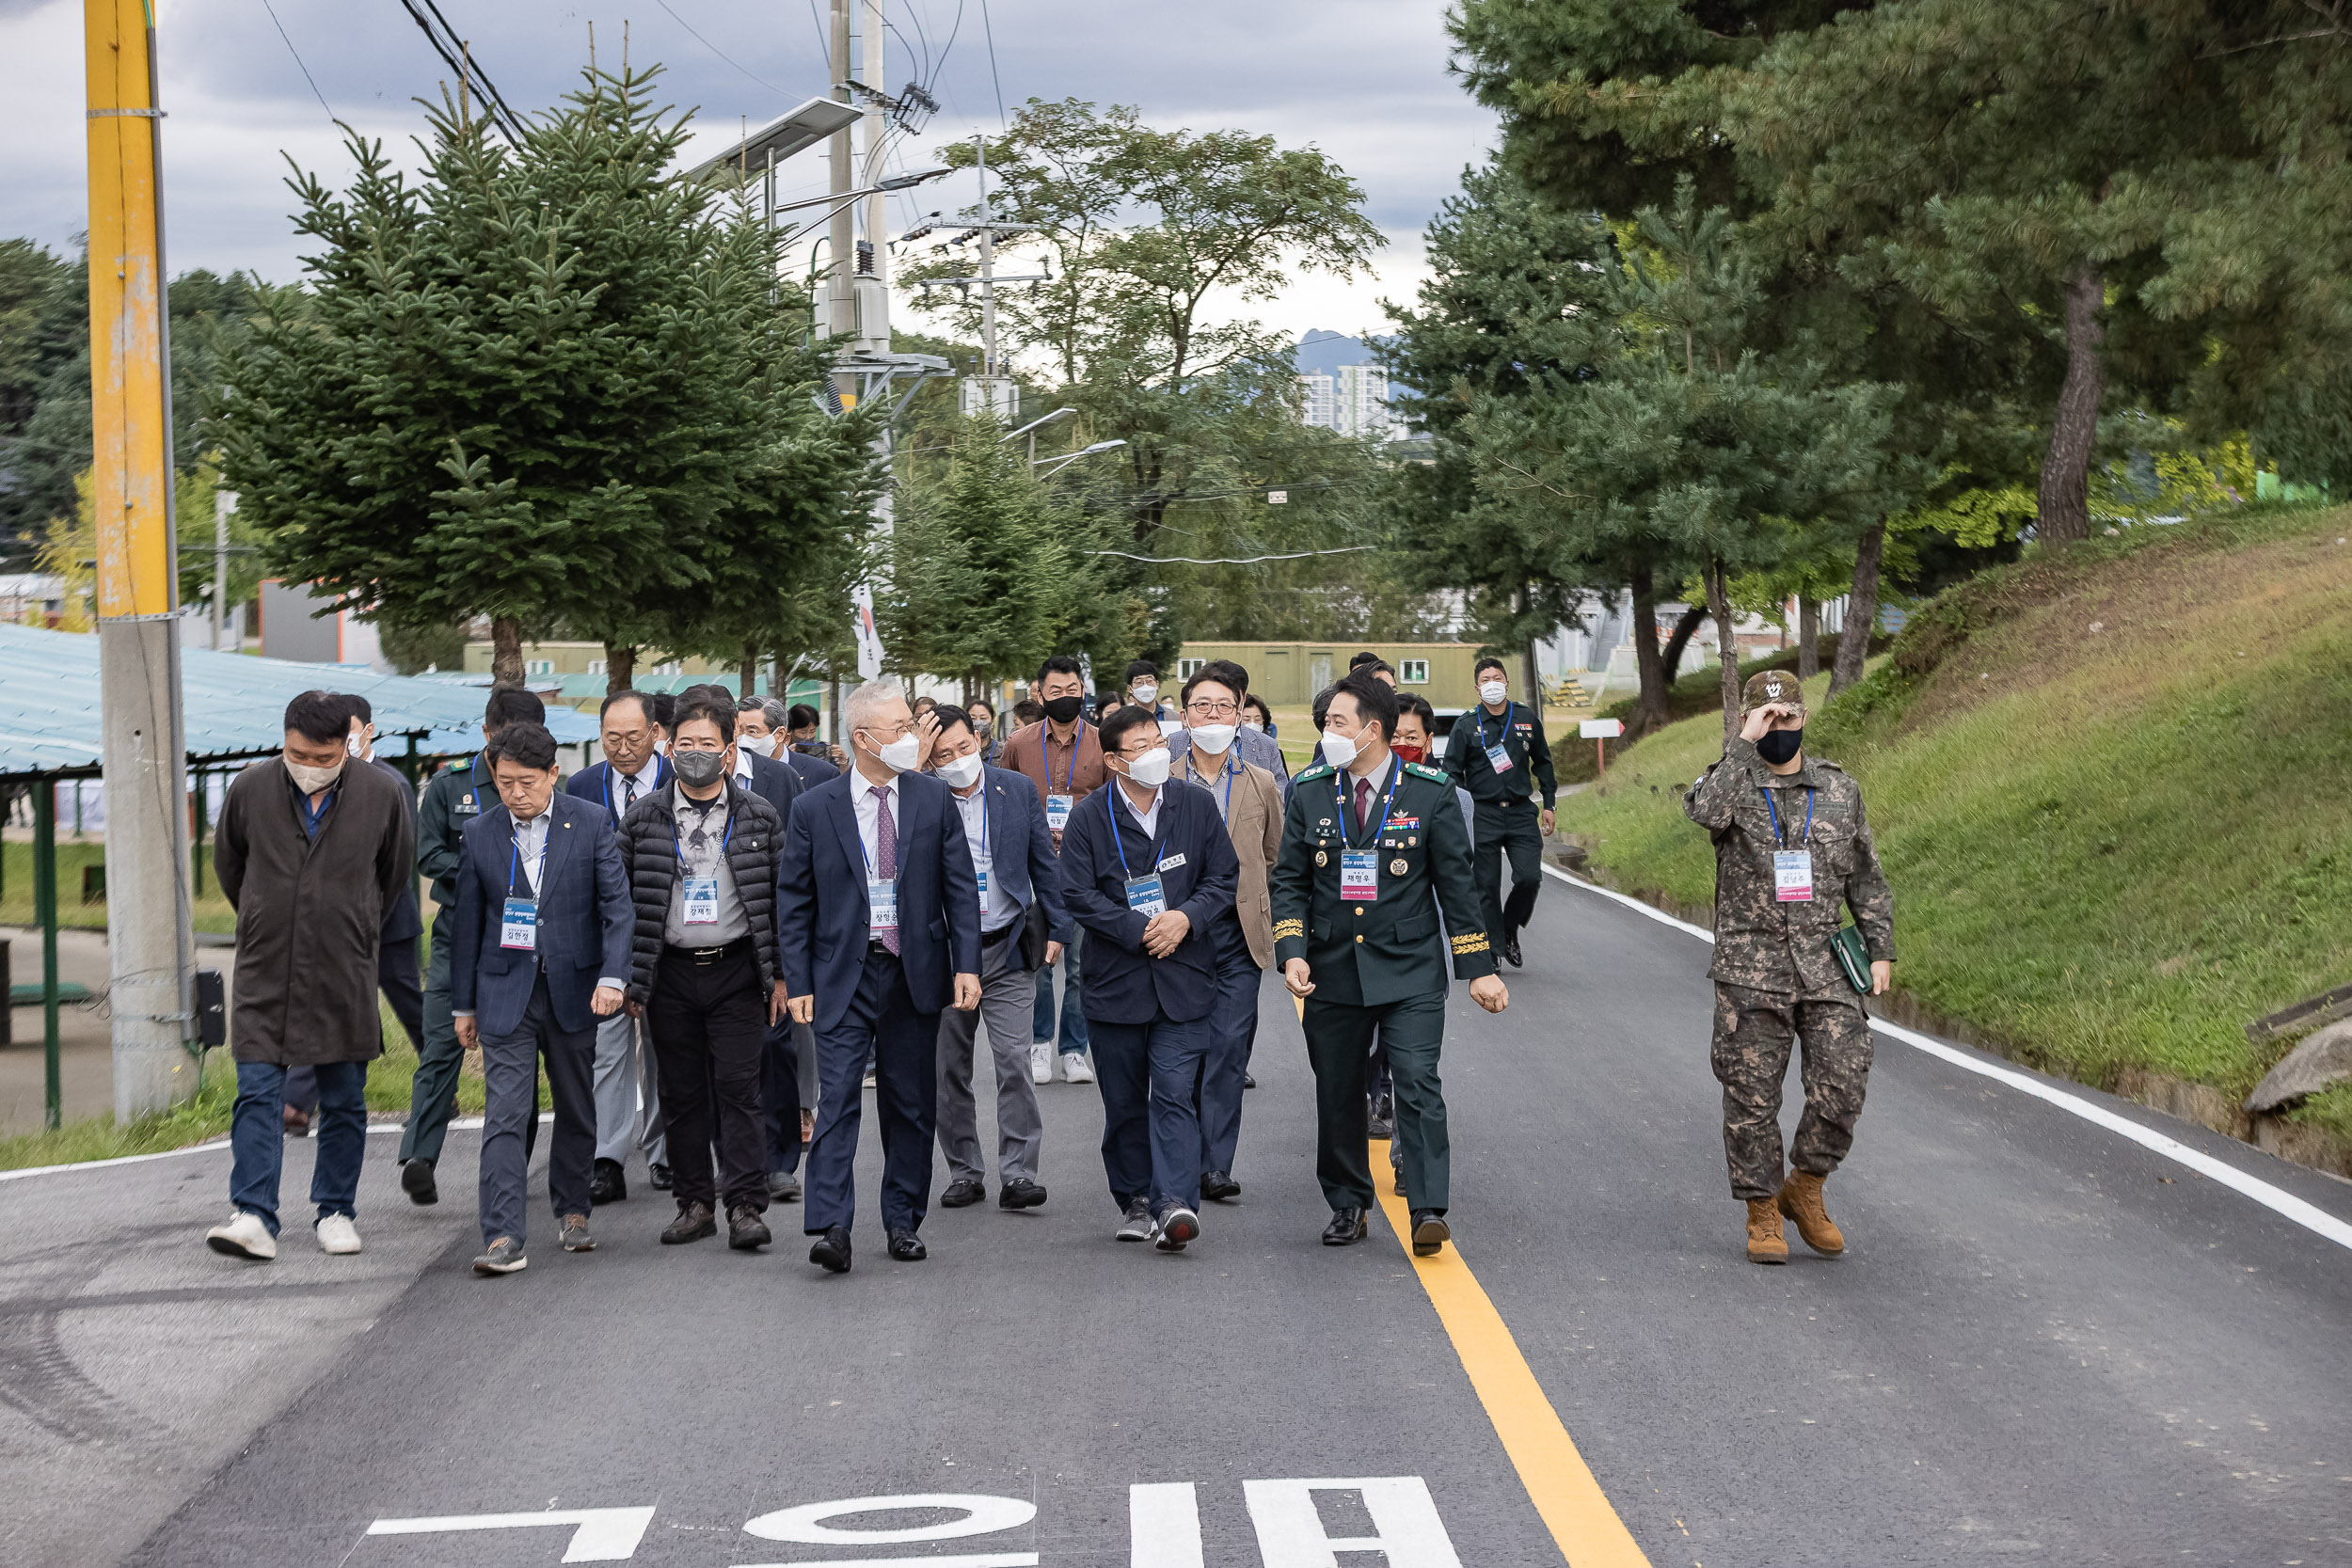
(223,502)
(150,947)
(841,276)
(988,273)
(874,335)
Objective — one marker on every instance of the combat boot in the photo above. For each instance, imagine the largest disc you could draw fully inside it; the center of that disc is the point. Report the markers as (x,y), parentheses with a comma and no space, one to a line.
(1801,1201)
(1765,1242)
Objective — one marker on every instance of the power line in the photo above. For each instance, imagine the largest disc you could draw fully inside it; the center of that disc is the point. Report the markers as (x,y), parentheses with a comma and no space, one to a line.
(824,45)
(985,27)
(457,55)
(1230,561)
(297,59)
(716,50)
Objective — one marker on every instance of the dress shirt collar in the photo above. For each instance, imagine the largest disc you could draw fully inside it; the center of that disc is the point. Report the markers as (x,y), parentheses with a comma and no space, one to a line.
(1149,817)
(1378,778)
(743,762)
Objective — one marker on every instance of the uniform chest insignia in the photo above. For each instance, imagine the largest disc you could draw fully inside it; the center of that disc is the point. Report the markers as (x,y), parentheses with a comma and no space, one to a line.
(1399,822)
(1321,859)
(1324,823)
(1411,840)
(1397,866)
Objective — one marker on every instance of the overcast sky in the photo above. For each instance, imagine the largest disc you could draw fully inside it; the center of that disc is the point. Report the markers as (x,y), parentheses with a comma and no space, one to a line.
(1364,80)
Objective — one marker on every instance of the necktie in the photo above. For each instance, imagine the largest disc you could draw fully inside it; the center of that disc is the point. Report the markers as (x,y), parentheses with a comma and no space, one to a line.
(1363,801)
(628,794)
(885,853)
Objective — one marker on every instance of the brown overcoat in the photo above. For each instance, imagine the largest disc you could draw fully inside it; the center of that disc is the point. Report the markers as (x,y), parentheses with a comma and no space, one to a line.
(310,912)
(1254,822)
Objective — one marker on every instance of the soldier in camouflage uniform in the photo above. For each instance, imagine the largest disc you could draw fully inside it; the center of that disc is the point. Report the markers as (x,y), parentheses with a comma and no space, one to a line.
(1792,844)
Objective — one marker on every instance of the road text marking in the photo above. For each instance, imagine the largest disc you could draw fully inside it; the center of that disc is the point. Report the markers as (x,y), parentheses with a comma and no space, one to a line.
(599,1534)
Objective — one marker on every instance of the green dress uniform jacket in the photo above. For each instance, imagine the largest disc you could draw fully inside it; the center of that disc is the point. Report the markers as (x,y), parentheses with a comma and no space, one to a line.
(1389,948)
(1761,943)
(457,795)
(1523,742)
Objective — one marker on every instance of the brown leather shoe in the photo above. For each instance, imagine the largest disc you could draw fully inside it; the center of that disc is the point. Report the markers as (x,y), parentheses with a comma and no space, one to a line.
(1801,1201)
(1765,1242)
(694,1221)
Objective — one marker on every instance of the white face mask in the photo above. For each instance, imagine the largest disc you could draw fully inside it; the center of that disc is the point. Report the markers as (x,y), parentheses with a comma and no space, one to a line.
(900,754)
(963,773)
(1213,738)
(1491,692)
(1150,770)
(1146,694)
(1253,724)
(1338,749)
(312,780)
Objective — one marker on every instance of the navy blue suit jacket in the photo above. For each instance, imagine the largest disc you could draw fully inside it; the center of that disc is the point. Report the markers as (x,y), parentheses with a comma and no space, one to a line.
(595,782)
(823,921)
(812,770)
(1197,873)
(585,918)
(775,784)
(1020,848)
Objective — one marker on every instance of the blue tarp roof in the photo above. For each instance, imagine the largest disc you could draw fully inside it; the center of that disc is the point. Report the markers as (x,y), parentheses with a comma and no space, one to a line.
(234,703)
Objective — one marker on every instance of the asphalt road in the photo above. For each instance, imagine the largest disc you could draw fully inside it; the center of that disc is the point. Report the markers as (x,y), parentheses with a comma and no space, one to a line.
(2044,1344)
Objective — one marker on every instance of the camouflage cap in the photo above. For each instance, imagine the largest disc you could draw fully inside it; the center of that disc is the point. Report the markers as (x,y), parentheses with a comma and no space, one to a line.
(1772,686)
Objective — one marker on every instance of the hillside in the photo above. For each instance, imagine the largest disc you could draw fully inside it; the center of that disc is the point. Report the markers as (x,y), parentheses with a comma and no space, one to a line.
(2109,791)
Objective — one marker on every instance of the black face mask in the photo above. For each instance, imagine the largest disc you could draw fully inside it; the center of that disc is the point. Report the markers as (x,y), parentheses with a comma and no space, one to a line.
(1061,711)
(1777,746)
(699,770)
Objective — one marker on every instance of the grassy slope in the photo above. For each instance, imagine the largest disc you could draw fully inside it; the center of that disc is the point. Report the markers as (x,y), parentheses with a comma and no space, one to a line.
(2110,849)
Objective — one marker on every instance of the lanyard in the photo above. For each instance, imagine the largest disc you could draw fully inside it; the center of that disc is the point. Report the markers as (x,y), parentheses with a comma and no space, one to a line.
(861,842)
(1069,779)
(514,861)
(1778,837)
(1505,734)
(677,843)
(1124,873)
(1232,766)
(607,785)
(980,794)
(1397,771)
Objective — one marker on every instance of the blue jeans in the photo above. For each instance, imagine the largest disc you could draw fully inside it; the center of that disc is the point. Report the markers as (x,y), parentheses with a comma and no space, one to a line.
(1074,1018)
(257,1138)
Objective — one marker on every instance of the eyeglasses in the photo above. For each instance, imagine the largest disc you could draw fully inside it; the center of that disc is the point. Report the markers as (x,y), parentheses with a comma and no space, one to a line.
(1208,710)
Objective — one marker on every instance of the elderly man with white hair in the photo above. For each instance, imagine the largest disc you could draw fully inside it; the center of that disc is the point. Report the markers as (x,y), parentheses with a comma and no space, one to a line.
(878,920)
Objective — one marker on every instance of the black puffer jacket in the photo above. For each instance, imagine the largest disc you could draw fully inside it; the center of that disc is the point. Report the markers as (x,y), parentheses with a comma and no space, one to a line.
(649,851)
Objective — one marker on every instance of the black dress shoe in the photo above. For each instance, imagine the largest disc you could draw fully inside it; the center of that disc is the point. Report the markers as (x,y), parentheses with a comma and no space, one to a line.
(660,1179)
(1430,1234)
(608,1185)
(1347,1228)
(1020,1192)
(962,1195)
(1248,1082)
(1217,1186)
(830,1251)
(1382,1123)
(746,1230)
(907,1247)
(416,1180)
(1511,952)
(694,1221)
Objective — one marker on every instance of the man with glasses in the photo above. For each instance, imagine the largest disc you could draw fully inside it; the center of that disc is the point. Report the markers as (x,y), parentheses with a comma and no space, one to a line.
(1147,867)
(1251,805)
(878,917)
(1063,757)
(1254,743)
(1374,848)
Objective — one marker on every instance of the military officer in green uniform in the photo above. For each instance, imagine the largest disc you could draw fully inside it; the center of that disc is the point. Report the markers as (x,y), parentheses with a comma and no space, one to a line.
(1374,848)
(1497,750)
(1791,846)
(456,795)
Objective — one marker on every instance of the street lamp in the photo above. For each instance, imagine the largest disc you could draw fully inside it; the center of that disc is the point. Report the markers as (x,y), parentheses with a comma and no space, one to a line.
(1059,463)
(1031,429)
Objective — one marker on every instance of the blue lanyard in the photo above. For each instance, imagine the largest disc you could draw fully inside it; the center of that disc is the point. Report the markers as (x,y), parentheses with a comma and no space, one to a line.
(862,853)
(1124,873)
(1232,765)
(608,784)
(981,794)
(1070,779)
(1504,736)
(1396,771)
(514,862)
(1777,837)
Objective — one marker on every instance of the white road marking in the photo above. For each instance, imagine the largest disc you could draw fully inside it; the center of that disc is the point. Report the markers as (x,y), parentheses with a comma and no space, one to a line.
(385,1128)
(599,1534)
(986,1560)
(1404,1518)
(1164,1525)
(983,1515)
(2309,1216)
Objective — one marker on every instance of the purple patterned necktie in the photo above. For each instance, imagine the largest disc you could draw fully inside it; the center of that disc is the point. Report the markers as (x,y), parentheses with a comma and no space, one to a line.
(1363,801)
(885,853)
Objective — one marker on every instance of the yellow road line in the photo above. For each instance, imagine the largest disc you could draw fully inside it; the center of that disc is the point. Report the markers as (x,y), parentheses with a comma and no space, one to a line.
(1561,1485)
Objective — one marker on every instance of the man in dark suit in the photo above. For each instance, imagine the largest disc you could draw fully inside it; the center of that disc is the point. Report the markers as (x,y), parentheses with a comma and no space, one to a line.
(1022,923)
(542,952)
(1148,869)
(877,926)
(633,768)
(810,757)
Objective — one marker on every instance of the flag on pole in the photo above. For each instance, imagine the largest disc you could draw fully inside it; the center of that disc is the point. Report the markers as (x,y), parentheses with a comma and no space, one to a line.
(869,646)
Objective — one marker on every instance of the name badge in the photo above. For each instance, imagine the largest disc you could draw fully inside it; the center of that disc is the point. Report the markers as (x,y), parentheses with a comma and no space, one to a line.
(702,901)
(883,898)
(981,872)
(1792,876)
(1359,874)
(1057,811)
(519,927)
(1145,896)
(1172,862)
(466,807)
(1499,759)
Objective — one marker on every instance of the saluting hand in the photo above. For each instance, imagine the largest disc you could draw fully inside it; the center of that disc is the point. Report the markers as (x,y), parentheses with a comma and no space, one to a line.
(1295,977)
(1490,992)
(1760,719)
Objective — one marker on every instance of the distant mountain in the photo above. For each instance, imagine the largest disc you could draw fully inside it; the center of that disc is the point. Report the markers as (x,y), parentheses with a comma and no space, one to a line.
(1328,350)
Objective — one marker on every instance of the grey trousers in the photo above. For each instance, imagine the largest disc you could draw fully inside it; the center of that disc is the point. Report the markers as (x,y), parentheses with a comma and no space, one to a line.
(1008,996)
(625,1071)
(510,1066)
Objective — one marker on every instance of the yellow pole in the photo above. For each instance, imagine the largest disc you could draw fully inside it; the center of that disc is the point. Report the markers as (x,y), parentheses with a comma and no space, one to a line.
(149,948)
(130,390)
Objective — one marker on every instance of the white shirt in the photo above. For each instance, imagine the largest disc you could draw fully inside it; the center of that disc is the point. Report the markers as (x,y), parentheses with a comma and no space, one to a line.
(868,818)
(1378,779)
(743,761)
(997,910)
(530,848)
(628,788)
(1149,816)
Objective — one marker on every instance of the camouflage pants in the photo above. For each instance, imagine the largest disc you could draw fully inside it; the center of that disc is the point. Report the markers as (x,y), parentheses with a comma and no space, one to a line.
(1753,1031)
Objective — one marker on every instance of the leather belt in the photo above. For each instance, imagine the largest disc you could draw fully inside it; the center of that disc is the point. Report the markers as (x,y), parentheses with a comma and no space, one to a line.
(706,957)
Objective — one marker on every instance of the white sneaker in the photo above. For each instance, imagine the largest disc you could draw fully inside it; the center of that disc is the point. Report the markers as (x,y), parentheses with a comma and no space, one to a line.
(337,1234)
(1041,1064)
(244,1236)
(1074,1069)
